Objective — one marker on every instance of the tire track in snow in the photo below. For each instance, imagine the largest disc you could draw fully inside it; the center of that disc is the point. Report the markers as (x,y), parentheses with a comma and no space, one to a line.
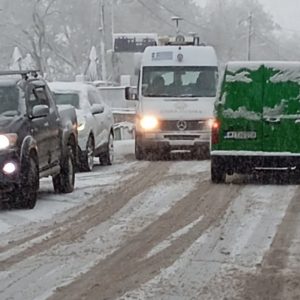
(128,267)
(100,241)
(206,270)
(29,225)
(278,275)
(89,217)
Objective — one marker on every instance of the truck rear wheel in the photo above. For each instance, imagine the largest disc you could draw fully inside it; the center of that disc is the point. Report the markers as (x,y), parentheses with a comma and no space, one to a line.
(218,174)
(64,181)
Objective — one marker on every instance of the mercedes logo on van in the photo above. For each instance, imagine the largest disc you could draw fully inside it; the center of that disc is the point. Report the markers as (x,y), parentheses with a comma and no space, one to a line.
(182,125)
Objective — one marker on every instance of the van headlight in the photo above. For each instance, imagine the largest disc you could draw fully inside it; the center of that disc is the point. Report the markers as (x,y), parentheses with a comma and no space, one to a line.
(149,122)
(7,140)
(210,123)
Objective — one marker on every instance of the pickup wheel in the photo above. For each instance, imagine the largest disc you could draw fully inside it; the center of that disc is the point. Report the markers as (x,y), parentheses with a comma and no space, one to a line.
(87,158)
(28,190)
(64,181)
(218,174)
(107,157)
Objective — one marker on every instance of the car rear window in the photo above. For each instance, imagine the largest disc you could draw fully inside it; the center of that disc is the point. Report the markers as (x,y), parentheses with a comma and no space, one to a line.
(67,98)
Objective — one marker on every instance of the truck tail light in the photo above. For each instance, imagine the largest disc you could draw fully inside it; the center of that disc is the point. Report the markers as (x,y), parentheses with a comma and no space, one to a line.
(215,130)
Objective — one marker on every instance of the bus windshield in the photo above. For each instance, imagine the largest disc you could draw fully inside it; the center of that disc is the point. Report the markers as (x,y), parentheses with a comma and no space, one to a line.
(183,81)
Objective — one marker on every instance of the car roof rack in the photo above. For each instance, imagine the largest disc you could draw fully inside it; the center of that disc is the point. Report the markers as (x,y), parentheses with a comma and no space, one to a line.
(24,73)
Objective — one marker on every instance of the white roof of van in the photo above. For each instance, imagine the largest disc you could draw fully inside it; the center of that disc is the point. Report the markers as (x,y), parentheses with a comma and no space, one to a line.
(168,56)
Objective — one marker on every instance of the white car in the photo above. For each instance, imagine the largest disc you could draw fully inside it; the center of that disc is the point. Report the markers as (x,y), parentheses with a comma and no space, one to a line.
(95,121)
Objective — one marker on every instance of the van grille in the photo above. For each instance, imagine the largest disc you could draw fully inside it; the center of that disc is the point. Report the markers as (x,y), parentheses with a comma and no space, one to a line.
(191,125)
(181,137)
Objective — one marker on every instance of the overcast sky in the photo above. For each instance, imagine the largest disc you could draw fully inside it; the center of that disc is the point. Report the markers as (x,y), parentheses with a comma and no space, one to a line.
(285,12)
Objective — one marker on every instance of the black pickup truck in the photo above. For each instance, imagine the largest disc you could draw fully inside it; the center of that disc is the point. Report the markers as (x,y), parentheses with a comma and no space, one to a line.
(36,139)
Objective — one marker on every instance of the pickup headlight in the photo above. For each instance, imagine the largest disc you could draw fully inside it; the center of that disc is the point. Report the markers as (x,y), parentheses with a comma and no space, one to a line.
(7,140)
(149,122)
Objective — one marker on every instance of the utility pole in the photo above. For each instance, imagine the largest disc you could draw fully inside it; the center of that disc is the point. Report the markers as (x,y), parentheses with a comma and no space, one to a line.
(102,41)
(250,21)
(112,23)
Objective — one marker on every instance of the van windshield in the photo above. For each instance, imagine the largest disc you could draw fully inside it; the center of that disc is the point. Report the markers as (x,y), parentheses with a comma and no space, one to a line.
(170,81)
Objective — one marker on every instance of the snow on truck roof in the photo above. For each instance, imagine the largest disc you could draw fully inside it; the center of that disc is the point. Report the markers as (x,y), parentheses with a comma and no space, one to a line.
(288,70)
(234,66)
(179,55)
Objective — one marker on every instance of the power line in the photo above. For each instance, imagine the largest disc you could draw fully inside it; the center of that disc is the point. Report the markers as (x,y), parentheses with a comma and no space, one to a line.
(175,13)
(154,14)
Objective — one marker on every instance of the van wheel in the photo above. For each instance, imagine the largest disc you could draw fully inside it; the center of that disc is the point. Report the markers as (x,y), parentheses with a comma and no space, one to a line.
(64,181)
(139,151)
(28,190)
(218,174)
(107,158)
(87,159)
(200,154)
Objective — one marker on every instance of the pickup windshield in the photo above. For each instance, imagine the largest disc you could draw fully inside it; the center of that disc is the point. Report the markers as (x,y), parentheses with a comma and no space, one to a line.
(185,81)
(9,101)
(67,98)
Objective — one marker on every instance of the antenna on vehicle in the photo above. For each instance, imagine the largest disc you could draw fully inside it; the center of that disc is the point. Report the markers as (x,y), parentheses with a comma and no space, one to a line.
(177,20)
(196,38)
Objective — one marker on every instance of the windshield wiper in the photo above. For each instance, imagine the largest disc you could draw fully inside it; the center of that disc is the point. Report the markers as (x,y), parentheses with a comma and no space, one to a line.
(188,95)
(155,95)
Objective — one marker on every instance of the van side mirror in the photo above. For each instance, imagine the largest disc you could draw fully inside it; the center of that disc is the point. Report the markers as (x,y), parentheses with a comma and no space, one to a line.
(130,95)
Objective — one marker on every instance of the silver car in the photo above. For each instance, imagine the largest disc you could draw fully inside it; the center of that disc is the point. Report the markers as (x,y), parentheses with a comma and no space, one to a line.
(95,121)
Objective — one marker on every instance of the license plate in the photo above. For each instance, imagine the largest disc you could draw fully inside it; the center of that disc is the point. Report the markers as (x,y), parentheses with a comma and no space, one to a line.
(240,135)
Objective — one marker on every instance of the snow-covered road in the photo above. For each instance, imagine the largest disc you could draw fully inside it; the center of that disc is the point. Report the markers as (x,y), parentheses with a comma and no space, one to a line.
(153,230)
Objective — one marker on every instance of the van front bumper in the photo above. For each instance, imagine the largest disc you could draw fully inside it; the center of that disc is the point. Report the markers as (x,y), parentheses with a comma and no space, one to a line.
(174,141)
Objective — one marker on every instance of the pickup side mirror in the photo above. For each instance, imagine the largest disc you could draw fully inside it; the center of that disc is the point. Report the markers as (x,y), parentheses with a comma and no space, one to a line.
(130,95)
(40,111)
(97,109)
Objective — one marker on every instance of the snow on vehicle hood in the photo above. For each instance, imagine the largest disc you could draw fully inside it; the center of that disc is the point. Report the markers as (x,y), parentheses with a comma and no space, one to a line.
(178,108)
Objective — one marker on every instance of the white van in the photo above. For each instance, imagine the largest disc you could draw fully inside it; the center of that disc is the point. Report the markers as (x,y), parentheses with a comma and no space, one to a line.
(176,93)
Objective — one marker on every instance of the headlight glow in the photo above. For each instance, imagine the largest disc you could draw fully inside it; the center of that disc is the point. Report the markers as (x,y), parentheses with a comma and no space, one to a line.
(7,140)
(81,126)
(210,123)
(149,122)
(9,168)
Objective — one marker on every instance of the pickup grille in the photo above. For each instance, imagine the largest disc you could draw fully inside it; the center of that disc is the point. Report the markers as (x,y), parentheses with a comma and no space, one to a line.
(191,125)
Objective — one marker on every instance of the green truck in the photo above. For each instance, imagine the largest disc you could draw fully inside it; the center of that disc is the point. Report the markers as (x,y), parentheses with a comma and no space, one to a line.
(257,119)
